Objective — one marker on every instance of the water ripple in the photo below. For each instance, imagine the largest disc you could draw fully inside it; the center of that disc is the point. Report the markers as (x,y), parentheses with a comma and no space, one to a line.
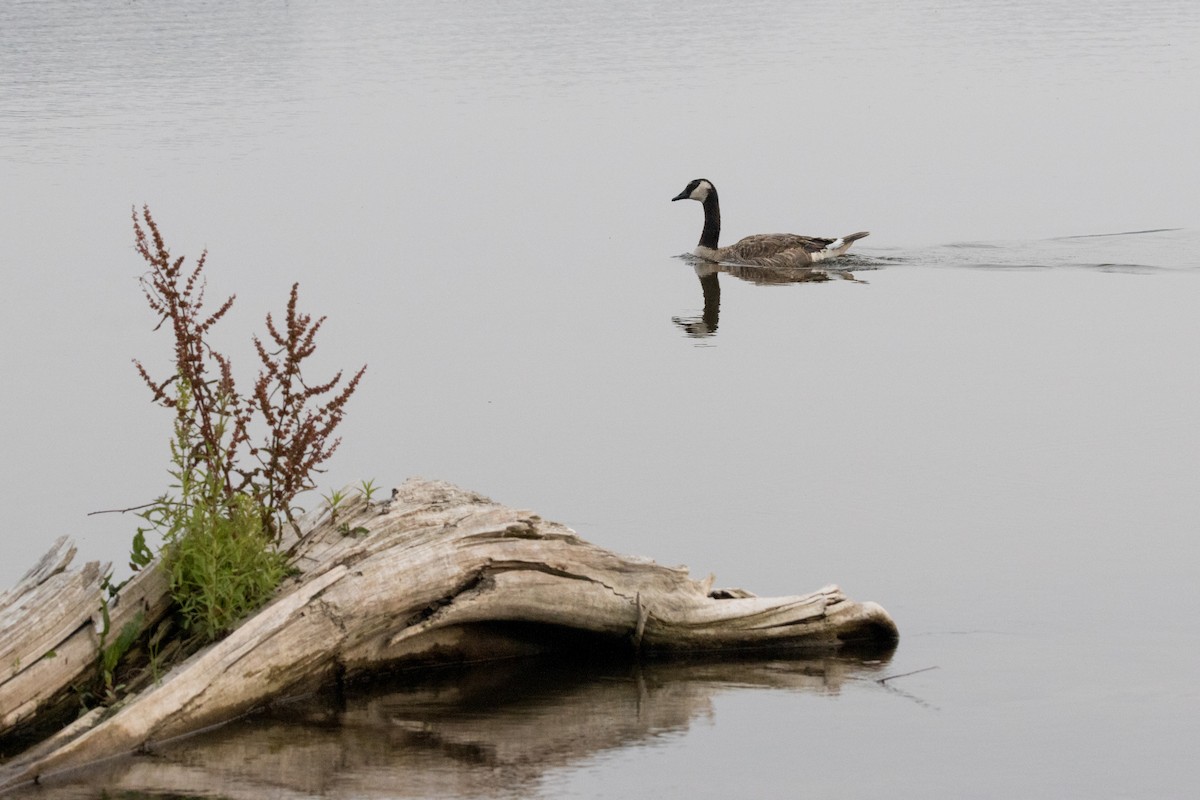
(1134,252)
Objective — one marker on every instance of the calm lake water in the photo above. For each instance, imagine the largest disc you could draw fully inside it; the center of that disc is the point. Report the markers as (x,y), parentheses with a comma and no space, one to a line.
(994,431)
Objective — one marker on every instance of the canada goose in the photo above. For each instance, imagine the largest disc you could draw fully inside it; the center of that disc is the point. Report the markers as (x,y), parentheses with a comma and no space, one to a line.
(764,249)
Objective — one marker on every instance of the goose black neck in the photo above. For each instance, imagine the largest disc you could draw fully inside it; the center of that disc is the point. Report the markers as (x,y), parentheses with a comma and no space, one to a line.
(712,221)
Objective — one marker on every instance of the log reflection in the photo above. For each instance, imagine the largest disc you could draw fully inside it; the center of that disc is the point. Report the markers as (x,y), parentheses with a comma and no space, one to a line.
(487,730)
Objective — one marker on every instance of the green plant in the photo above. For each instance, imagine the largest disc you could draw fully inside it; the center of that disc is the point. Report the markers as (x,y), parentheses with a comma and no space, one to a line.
(333,502)
(367,489)
(111,653)
(358,530)
(230,497)
(221,560)
(222,566)
(140,554)
(154,650)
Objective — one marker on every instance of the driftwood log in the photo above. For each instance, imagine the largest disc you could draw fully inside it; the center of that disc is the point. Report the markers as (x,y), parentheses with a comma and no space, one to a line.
(436,575)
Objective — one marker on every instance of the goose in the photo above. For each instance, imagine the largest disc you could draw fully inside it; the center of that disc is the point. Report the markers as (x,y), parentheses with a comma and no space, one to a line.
(764,249)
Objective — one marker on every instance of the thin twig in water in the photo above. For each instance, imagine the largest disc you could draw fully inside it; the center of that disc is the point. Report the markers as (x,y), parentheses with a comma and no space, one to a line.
(903,675)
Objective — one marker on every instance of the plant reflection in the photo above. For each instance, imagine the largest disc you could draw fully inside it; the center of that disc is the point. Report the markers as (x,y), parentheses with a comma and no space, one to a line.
(705,325)
(491,729)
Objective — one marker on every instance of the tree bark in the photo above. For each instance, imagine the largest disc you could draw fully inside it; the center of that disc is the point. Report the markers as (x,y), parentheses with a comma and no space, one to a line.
(436,575)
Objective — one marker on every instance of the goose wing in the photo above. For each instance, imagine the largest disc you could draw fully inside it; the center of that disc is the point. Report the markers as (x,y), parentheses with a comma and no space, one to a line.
(770,245)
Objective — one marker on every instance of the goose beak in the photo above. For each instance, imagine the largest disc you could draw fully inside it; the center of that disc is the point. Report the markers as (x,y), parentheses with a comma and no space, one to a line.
(681,196)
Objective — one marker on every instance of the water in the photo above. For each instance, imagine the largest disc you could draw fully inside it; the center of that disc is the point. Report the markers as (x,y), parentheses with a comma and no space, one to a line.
(992,431)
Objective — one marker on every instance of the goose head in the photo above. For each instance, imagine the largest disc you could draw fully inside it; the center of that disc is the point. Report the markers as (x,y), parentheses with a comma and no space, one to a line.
(698,189)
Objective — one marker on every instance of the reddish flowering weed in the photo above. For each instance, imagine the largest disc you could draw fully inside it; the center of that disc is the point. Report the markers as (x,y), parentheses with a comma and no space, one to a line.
(300,419)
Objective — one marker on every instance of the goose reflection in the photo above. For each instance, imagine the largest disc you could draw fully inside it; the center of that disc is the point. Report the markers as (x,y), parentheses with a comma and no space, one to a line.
(705,325)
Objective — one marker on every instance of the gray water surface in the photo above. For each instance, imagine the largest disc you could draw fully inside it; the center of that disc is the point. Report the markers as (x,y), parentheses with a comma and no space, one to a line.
(992,430)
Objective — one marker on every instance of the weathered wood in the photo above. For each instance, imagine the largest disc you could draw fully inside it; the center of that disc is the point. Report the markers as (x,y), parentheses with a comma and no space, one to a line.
(46,635)
(440,575)
(50,633)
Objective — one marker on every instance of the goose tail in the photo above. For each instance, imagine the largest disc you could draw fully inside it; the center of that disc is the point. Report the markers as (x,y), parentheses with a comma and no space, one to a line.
(838,246)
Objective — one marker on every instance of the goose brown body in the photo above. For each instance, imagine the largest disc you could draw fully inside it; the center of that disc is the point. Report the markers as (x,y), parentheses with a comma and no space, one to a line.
(763,249)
